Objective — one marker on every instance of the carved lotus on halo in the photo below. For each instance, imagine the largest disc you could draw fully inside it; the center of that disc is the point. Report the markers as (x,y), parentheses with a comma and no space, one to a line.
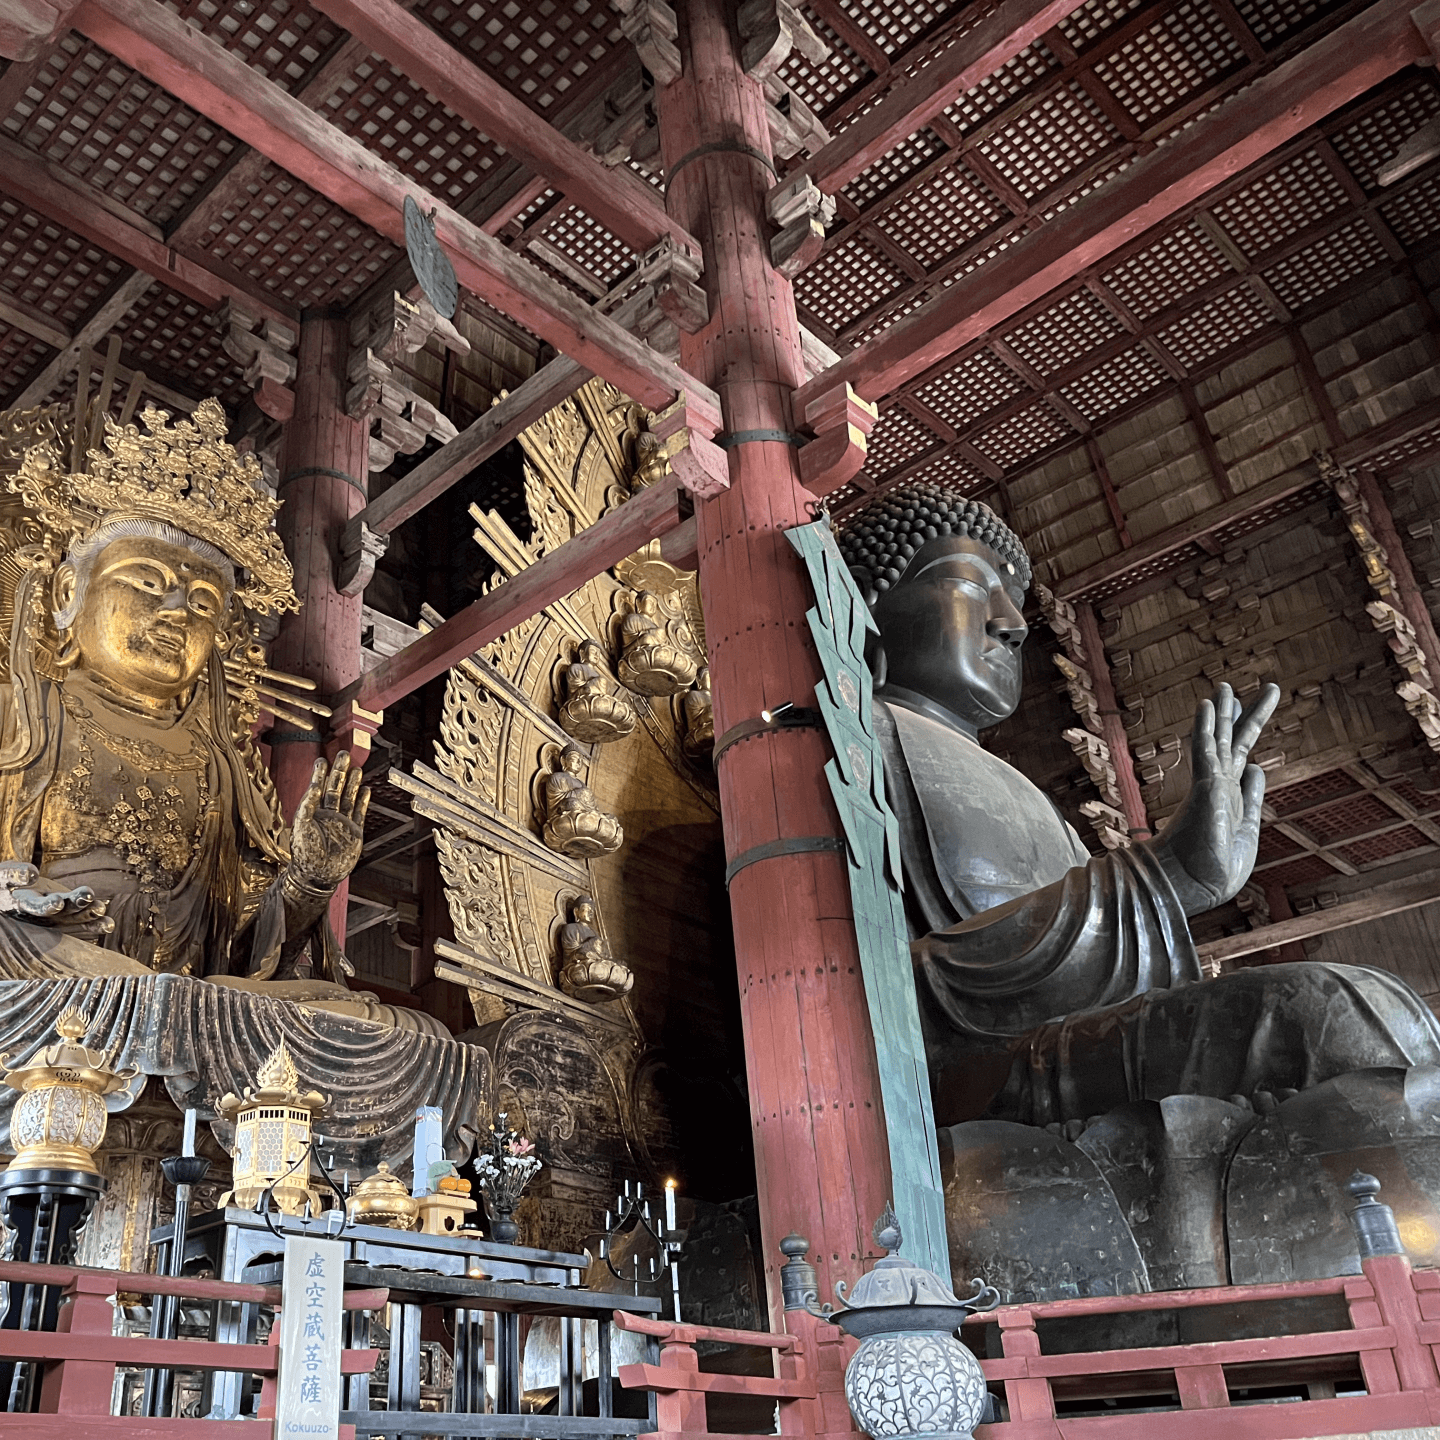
(657,668)
(583,834)
(596,978)
(596,718)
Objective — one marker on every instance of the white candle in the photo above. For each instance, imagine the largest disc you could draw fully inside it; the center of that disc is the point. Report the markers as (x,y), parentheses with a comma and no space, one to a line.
(187,1145)
(669,1204)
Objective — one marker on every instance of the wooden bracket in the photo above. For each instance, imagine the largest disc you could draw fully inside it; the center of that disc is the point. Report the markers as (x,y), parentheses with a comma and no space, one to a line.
(351,728)
(266,349)
(803,212)
(673,270)
(699,464)
(27,26)
(650,26)
(842,423)
(360,550)
(771,29)
(1427,22)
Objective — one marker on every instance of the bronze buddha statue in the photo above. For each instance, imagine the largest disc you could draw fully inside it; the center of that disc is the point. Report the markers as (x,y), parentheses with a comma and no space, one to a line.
(140,827)
(1057,988)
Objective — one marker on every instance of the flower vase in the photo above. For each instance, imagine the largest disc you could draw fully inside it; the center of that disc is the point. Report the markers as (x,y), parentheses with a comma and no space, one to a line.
(503,1230)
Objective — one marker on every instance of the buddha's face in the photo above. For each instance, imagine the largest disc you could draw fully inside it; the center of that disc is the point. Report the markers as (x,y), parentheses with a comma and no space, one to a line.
(149,616)
(952,630)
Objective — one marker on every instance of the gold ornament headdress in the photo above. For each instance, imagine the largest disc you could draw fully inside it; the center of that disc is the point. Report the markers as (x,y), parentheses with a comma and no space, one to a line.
(187,475)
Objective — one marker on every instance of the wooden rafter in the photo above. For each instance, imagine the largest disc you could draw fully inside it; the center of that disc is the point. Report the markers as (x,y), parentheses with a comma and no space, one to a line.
(151,38)
(1333,71)
(617,199)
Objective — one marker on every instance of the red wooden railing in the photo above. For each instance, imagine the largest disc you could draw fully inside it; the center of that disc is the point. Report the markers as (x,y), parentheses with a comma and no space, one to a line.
(81,1355)
(1393,1347)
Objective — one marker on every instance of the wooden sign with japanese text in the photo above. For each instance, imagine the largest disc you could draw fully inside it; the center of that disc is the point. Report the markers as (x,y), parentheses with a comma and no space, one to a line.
(310,1340)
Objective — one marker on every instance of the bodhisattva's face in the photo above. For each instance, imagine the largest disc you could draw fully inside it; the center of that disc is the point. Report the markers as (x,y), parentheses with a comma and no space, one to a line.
(150,616)
(952,630)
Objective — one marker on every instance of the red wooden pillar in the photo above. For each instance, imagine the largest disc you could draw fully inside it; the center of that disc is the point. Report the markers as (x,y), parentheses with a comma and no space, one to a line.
(323,482)
(820,1144)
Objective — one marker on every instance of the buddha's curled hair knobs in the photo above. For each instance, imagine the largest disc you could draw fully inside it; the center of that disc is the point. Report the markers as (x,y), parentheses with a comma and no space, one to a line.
(881,539)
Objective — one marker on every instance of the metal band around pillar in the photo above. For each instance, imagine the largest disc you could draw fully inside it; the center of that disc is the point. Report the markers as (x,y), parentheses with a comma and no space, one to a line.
(733,147)
(795,845)
(326,472)
(730,439)
(791,719)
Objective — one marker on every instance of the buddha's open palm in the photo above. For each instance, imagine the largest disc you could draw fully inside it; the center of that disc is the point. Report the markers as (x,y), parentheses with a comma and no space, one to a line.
(1208,848)
(329,828)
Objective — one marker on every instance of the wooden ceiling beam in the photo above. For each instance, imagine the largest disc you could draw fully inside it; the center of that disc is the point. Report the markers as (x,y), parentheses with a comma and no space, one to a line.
(977,55)
(618,199)
(652,513)
(69,202)
(1293,97)
(199,71)
(1407,896)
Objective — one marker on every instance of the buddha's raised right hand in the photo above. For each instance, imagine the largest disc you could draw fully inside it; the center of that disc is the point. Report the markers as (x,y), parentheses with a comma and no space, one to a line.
(1208,848)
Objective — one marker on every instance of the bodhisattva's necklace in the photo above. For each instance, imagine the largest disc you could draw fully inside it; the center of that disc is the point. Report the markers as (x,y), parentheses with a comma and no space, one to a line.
(150,833)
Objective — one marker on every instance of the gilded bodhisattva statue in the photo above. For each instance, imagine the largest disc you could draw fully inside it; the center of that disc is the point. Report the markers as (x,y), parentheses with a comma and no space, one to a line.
(139,827)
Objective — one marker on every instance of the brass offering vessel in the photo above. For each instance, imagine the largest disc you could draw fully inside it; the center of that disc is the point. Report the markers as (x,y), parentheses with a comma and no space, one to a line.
(382,1199)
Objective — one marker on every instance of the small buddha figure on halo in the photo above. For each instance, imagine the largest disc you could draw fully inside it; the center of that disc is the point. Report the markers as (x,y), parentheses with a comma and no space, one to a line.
(658,656)
(588,970)
(575,825)
(699,716)
(651,461)
(593,712)
(126,784)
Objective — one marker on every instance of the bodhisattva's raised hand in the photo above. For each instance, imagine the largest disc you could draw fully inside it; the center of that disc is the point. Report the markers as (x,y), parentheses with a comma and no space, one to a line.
(329,828)
(1208,848)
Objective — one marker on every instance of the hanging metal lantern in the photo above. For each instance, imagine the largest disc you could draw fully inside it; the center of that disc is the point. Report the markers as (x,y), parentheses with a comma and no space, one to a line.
(911,1379)
(272,1138)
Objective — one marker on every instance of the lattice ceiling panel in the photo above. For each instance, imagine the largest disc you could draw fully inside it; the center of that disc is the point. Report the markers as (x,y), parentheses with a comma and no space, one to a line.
(177,342)
(1272,20)
(21,356)
(1062,334)
(1116,383)
(1415,215)
(1084,26)
(306,250)
(1058,136)
(1325,265)
(825,86)
(892,27)
(1426,804)
(1186,50)
(954,472)
(1167,271)
(1375,137)
(1022,437)
(1275,846)
(1354,816)
(857,335)
(1386,846)
(1289,199)
(1215,327)
(51,268)
(1301,872)
(973,388)
(283,40)
(1027,68)
(101,122)
(409,128)
(1268,515)
(1328,786)
(848,281)
(538,49)
(1162,565)
(590,245)
(941,215)
(898,437)
(1420,445)
(893,168)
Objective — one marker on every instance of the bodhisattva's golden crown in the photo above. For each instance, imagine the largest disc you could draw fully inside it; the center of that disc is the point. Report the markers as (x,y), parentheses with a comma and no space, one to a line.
(187,475)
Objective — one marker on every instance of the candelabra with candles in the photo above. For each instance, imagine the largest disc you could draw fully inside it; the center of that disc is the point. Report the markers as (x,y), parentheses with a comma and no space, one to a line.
(632,1214)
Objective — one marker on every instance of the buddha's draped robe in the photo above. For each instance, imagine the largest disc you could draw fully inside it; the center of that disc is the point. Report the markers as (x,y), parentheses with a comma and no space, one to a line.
(1078,975)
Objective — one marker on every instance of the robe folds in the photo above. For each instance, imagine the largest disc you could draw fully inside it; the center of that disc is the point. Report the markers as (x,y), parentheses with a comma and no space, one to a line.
(1055,985)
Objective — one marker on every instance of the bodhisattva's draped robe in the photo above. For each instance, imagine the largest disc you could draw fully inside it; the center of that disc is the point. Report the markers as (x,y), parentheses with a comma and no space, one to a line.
(1076,977)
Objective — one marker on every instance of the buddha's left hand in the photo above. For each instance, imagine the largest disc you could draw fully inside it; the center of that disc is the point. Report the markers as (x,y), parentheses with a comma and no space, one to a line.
(329,828)
(1208,848)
